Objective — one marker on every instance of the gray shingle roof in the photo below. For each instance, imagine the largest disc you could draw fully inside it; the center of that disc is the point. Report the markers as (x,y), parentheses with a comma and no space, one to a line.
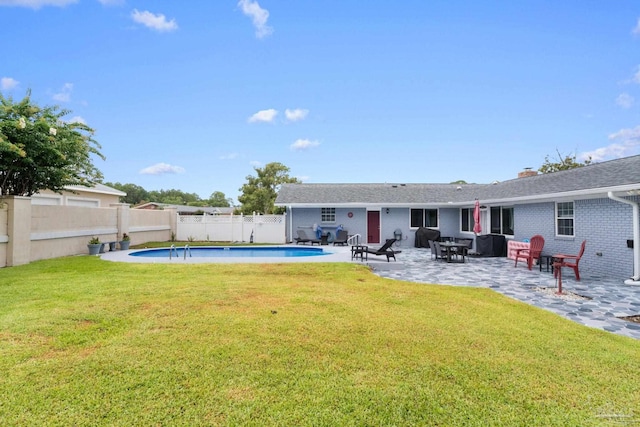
(592,180)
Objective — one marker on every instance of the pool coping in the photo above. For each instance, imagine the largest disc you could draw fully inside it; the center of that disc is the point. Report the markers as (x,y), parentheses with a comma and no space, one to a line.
(334,254)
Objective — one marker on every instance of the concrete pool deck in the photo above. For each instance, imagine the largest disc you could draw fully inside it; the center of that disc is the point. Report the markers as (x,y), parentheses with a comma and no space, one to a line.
(598,302)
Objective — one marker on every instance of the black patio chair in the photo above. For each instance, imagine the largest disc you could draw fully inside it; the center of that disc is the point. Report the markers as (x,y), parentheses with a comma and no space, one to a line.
(385,250)
(304,238)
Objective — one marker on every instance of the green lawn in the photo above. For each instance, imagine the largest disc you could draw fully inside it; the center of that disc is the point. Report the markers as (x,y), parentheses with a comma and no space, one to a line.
(89,342)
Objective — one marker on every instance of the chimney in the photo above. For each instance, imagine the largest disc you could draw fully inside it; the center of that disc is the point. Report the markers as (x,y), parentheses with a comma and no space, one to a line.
(527,172)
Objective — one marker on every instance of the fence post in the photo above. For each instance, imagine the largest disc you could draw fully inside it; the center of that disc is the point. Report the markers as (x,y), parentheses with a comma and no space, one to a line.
(123,218)
(18,230)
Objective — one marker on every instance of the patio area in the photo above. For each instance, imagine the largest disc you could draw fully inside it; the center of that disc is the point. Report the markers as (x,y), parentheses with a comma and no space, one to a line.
(597,302)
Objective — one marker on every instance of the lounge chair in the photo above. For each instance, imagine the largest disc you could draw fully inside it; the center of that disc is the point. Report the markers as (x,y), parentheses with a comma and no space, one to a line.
(304,238)
(384,250)
(341,238)
(532,253)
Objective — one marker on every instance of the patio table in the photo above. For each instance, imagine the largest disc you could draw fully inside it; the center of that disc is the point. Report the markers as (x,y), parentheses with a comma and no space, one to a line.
(448,246)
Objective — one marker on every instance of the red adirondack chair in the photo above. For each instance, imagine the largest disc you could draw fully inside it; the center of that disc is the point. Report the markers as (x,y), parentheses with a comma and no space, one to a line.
(571,261)
(535,249)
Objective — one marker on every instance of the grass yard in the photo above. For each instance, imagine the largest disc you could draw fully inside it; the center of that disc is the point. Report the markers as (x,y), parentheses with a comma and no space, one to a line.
(88,342)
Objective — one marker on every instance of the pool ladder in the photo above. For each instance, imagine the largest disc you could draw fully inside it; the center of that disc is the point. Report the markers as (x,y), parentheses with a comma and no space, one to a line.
(173,250)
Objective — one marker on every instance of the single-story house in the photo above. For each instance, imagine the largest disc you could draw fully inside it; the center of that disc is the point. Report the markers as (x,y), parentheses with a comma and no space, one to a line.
(598,203)
(187,210)
(96,196)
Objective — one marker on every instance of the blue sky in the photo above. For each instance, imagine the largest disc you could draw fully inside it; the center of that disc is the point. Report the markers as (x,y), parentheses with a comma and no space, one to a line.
(193,95)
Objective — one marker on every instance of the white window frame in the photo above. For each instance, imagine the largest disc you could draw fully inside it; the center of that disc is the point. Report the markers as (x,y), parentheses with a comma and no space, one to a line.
(328,215)
(566,217)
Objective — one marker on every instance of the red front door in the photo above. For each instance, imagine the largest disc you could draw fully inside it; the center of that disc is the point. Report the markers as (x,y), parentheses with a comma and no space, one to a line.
(373,226)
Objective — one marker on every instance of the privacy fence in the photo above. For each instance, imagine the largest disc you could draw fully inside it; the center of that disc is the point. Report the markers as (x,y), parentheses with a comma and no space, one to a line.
(32,232)
(233,228)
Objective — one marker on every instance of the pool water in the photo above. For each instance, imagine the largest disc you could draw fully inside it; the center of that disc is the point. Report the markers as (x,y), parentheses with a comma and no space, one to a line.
(230,252)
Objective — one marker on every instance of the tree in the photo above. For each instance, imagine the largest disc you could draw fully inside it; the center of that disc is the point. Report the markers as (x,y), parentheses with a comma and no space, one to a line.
(173,197)
(259,193)
(135,193)
(218,199)
(39,151)
(562,163)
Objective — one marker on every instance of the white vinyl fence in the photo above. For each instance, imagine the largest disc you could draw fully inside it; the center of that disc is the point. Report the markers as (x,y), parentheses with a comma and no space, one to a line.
(232,228)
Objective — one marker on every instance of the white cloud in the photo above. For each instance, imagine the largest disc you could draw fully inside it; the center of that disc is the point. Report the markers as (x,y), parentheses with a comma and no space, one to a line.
(636,76)
(36,4)
(7,83)
(65,93)
(258,15)
(627,144)
(255,163)
(295,115)
(77,119)
(303,178)
(303,144)
(111,2)
(636,29)
(229,156)
(161,169)
(155,22)
(625,100)
(266,116)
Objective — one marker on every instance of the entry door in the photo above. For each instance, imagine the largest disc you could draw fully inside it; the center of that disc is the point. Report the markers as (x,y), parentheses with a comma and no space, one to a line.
(373,226)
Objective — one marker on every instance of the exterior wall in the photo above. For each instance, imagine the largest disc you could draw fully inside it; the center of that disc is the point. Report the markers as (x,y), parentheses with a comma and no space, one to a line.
(30,232)
(65,230)
(74,198)
(396,219)
(449,222)
(149,225)
(605,224)
(305,218)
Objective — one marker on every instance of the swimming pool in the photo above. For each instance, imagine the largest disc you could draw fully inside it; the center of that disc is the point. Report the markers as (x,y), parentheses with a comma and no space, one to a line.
(229,252)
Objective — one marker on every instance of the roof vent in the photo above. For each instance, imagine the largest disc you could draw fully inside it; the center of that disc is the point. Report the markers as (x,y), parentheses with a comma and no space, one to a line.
(458,188)
(527,172)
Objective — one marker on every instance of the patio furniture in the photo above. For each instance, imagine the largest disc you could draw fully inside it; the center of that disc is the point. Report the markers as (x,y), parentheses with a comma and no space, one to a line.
(383,250)
(436,250)
(494,245)
(532,253)
(571,261)
(453,249)
(359,251)
(467,242)
(424,235)
(341,238)
(304,238)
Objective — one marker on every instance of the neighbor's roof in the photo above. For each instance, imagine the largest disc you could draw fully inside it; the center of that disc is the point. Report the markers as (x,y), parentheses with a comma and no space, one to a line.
(188,209)
(96,188)
(588,182)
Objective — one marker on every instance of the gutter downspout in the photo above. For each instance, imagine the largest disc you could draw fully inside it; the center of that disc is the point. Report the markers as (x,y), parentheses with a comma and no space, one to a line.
(289,219)
(635,279)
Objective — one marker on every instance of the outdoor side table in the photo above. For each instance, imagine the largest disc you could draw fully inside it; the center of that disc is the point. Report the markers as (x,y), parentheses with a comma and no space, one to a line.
(359,251)
(548,259)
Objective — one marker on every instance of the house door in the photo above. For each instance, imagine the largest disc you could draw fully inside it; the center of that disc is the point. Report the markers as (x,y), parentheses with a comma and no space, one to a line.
(373,226)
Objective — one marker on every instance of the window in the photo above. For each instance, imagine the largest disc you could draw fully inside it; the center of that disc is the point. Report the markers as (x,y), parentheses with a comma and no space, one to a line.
(327,214)
(424,218)
(466,216)
(564,219)
(502,220)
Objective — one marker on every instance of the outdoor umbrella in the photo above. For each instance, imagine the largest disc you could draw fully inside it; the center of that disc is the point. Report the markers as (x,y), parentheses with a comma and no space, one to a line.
(476,218)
